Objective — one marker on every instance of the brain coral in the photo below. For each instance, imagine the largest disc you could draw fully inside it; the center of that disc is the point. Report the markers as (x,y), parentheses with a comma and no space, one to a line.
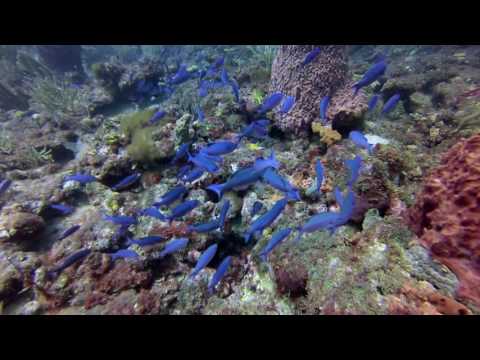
(446,215)
(326,75)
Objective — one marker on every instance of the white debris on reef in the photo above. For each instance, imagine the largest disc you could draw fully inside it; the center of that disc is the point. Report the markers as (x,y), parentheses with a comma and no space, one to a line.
(375,139)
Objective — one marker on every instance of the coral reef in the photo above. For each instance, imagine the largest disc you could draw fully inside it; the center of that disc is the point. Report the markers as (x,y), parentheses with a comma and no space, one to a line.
(445,216)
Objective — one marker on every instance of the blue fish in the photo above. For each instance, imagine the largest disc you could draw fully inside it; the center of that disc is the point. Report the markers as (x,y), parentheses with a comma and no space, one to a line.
(183,209)
(174,246)
(204,260)
(223,214)
(183,171)
(241,178)
(123,254)
(220,148)
(71,230)
(256,129)
(266,219)
(81,178)
(276,239)
(271,177)
(224,76)
(219,274)
(181,76)
(323,221)
(152,212)
(63,209)
(200,114)
(203,228)
(361,141)
(70,260)
(129,180)
(257,206)
(347,208)
(203,89)
(214,158)
(320,173)
(121,220)
(157,116)
(370,76)
(4,185)
(311,56)
(235,90)
(181,152)
(390,104)
(373,102)
(271,102)
(193,175)
(287,104)
(323,108)
(271,162)
(203,163)
(338,196)
(354,167)
(146,241)
(171,196)
(212,70)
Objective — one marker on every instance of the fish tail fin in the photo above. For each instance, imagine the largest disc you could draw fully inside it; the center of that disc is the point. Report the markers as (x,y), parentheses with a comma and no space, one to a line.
(370,149)
(217,189)
(355,88)
(247,237)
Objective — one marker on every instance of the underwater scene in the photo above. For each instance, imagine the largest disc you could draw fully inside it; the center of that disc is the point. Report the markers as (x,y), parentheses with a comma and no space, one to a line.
(239,180)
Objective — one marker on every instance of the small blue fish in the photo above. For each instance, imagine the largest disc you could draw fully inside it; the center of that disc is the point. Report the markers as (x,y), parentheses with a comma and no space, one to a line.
(68,232)
(220,148)
(129,180)
(223,214)
(323,221)
(181,76)
(373,102)
(70,260)
(338,196)
(193,175)
(81,178)
(183,209)
(203,89)
(146,241)
(153,212)
(257,129)
(276,239)
(361,141)
(241,178)
(287,104)
(181,152)
(204,260)
(323,109)
(4,185)
(257,206)
(370,76)
(159,115)
(123,254)
(224,76)
(271,162)
(320,173)
(183,171)
(271,177)
(235,90)
(121,220)
(311,56)
(63,209)
(212,70)
(174,246)
(203,163)
(219,274)
(171,196)
(390,104)
(271,102)
(203,228)
(347,208)
(354,166)
(266,219)
(200,114)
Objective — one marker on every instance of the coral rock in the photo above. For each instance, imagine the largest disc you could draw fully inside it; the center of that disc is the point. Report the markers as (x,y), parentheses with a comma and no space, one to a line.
(446,215)
(21,226)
